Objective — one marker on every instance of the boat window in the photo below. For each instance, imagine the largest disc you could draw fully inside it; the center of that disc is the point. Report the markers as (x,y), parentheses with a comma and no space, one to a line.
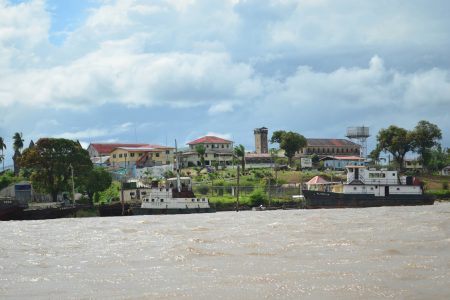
(376,186)
(146,200)
(393,174)
(398,189)
(193,200)
(198,200)
(143,193)
(153,200)
(162,200)
(371,188)
(354,188)
(203,200)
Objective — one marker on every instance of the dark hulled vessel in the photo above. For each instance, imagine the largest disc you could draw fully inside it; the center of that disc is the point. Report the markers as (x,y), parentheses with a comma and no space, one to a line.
(369,188)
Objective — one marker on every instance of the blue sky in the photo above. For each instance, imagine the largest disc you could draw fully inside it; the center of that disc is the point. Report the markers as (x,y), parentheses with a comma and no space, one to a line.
(155,71)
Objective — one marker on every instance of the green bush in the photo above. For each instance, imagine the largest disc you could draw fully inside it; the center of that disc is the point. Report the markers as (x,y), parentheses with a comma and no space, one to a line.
(203,189)
(111,194)
(445,185)
(258,197)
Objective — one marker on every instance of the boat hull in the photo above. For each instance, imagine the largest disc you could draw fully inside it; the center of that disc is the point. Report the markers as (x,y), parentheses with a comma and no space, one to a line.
(316,199)
(39,214)
(170,211)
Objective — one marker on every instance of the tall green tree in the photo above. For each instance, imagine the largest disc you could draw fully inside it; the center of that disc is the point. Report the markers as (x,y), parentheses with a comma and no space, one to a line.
(2,147)
(425,136)
(439,158)
(17,146)
(18,141)
(397,141)
(375,155)
(49,161)
(290,142)
(201,151)
(97,180)
(239,151)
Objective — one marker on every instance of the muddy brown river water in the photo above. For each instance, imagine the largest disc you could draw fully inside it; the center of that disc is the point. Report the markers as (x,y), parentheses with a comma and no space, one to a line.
(367,253)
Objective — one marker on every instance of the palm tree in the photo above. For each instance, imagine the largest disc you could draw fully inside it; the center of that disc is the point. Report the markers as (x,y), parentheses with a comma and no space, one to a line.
(201,151)
(18,141)
(2,147)
(17,145)
(239,151)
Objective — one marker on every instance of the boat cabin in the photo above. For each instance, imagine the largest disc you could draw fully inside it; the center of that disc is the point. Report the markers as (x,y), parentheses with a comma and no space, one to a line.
(361,180)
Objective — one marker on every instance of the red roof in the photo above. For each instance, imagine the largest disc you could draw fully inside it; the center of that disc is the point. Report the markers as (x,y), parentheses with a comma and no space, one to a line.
(108,148)
(329,143)
(317,180)
(210,140)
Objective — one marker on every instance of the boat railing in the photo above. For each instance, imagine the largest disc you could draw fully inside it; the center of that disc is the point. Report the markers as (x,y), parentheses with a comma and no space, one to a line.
(381,181)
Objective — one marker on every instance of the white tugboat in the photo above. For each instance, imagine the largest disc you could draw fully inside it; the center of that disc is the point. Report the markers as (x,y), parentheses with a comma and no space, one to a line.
(175,197)
(369,187)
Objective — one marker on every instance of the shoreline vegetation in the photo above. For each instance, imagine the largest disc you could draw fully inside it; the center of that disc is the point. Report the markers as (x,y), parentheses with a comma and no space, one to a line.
(220,187)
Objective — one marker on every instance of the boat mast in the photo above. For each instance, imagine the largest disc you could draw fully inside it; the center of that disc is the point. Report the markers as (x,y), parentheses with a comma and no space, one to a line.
(177,166)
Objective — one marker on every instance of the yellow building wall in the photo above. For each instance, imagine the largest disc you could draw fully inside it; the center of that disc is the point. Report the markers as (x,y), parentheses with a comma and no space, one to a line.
(122,156)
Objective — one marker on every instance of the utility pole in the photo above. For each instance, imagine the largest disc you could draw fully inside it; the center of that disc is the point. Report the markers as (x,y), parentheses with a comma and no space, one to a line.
(237,189)
(73,185)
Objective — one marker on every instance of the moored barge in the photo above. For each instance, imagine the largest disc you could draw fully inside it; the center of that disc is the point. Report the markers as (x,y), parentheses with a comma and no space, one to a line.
(369,188)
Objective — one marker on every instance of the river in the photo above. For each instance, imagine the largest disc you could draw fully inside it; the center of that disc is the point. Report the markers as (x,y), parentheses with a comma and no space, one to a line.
(367,253)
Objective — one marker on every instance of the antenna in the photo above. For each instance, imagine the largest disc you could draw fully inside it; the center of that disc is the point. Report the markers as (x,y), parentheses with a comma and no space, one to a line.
(177,166)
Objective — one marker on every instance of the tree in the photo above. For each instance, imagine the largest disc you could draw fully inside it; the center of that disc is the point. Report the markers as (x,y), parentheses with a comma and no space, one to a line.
(375,155)
(290,142)
(239,151)
(201,151)
(425,136)
(2,147)
(18,141)
(439,158)
(397,141)
(17,146)
(97,180)
(49,162)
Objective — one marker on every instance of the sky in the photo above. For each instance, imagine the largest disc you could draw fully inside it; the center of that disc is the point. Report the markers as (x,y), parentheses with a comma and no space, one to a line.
(156,71)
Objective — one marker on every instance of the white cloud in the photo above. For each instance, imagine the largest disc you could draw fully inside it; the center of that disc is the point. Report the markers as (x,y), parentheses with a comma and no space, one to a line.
(221,107)
(285,62)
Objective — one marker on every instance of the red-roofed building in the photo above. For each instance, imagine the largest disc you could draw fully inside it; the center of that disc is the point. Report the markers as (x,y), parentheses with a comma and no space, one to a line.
(97,149)
(125,155)
(217,150)
(326,147)
(211,142)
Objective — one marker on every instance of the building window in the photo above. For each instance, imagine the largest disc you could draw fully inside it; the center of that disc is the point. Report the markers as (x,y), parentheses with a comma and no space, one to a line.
(157,154)
(167,151)
(207,146)
(120,155)
(131,154)
(139,154)
(125,154)
(223,146)
(114,156)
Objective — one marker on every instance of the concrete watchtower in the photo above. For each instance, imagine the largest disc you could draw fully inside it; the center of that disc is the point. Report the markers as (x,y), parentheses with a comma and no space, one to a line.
(261,144)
